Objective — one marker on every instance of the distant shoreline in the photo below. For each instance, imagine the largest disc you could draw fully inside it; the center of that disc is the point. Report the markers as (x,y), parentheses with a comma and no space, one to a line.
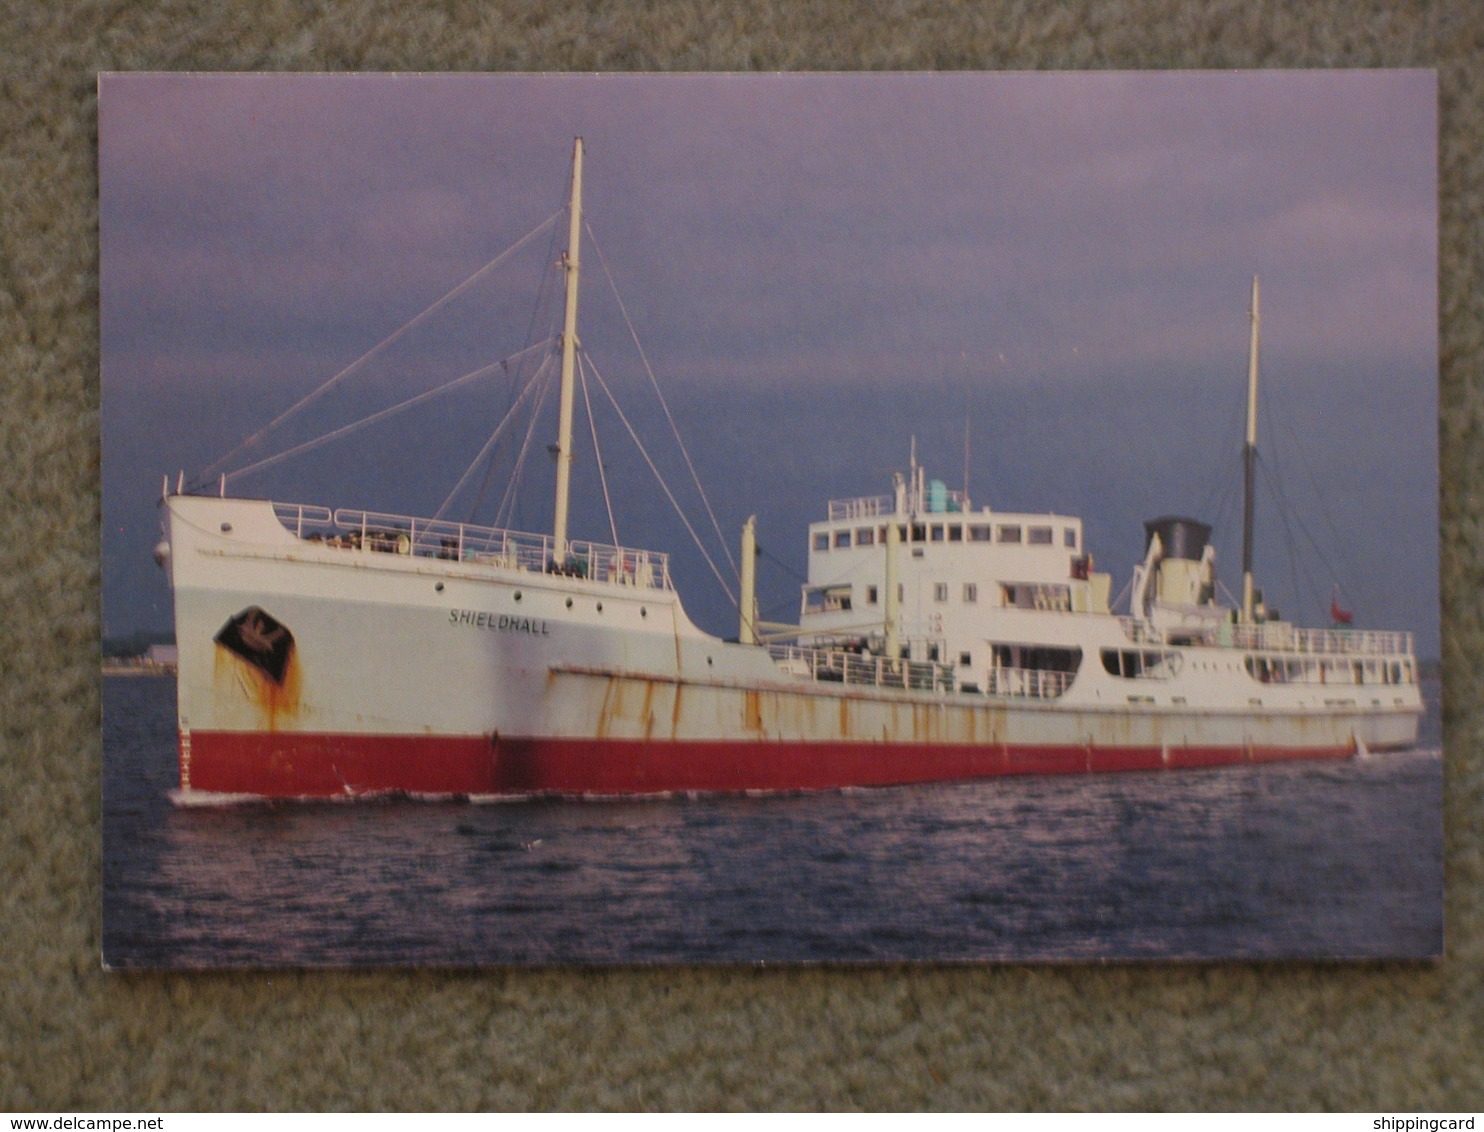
(131,667)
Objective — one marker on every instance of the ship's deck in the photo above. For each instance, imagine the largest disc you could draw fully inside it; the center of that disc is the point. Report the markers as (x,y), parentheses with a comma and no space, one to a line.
(1272,654)
(376,531)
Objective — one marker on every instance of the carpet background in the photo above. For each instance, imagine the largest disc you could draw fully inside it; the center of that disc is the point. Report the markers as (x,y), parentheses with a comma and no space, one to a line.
(1292,1036)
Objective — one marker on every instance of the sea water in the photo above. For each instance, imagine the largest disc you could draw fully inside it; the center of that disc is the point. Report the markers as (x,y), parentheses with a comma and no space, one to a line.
(1292,860)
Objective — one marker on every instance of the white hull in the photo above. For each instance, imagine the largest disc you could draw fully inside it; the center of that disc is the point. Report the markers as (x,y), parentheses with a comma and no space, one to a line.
(502,678)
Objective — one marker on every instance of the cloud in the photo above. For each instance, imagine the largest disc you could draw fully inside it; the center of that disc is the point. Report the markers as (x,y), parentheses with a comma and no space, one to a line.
(1038,239)
(860,214)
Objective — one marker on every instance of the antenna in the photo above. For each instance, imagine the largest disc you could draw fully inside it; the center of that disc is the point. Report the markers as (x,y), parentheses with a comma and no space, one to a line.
(915,499)
(966,448)
(966,431)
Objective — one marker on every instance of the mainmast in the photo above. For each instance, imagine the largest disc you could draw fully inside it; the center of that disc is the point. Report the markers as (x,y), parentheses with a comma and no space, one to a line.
(1249,463)
(747,606)
(569,364)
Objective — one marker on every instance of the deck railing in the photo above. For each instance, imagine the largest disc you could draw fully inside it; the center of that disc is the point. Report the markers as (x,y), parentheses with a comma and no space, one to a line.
(863,508)
(377,531)
(1286,639)
(1341,642)
(1033,683)
(868,506)
(1140,631)
(863,669)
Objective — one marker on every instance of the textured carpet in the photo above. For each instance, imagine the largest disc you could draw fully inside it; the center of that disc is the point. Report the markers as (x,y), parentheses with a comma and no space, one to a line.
(1283,1036)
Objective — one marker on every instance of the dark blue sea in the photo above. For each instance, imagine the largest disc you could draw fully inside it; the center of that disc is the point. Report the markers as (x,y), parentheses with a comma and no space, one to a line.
(1331,860)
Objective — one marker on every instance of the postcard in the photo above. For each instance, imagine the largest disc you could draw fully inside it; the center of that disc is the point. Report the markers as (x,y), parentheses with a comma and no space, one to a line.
(716,518)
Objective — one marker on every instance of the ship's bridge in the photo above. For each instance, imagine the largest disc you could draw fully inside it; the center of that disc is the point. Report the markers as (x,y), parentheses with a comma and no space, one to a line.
(958,571)
(966,546)
(845,530)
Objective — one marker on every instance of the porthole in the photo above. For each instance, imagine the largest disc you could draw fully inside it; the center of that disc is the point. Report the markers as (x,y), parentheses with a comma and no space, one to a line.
(643,612)
(438,586)
(517,595)
(600,607)
(569,603)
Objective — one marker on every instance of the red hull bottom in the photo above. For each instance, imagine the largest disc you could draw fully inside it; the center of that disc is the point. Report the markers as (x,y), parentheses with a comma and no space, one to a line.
(300,765)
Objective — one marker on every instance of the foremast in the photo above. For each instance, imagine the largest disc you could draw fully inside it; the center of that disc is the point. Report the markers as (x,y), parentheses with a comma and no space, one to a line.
(570,263)
(1249,464)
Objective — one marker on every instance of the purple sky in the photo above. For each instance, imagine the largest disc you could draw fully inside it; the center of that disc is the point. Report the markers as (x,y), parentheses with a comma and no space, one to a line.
(820,267)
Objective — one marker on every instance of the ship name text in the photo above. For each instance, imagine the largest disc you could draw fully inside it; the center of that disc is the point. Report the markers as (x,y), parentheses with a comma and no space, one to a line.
(498,622)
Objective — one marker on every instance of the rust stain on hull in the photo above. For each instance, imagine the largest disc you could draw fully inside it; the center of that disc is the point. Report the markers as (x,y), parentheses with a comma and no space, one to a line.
(752,711)
(646,713)
(277,703)
(611,693)
(633,706)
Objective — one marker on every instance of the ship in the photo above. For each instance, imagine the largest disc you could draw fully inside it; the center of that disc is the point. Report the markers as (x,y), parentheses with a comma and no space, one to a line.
(345,653)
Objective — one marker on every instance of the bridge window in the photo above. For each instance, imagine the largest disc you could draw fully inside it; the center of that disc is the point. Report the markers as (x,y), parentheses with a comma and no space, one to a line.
(979,533)
(1009,533)
(955,532)
(842,538)
(1069,537)
(865,536)
(1039,536)
(870,595)
(827,599)
(937,532)
(822,540)
(1037,595)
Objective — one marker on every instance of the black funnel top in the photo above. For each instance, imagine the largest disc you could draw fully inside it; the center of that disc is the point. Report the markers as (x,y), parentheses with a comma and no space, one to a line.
(1181,538)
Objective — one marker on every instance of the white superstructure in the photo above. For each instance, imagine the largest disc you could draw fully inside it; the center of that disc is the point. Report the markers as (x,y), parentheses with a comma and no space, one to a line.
(1010,604)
